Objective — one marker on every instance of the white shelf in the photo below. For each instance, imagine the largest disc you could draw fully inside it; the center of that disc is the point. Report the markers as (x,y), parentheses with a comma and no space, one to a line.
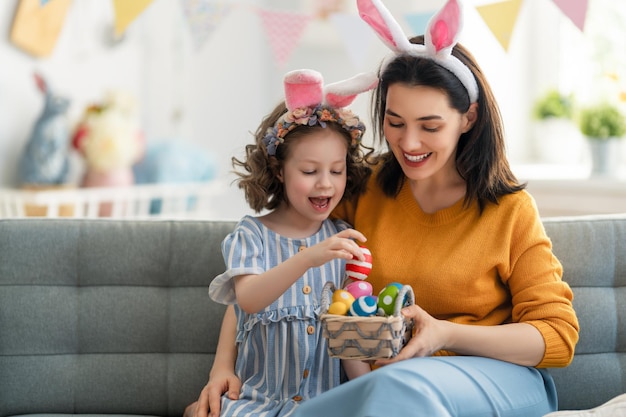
(185,200)
(562,190)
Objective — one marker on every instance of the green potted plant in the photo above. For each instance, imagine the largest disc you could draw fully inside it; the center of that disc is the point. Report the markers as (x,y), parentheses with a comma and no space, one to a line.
(603,125)
(602,121)
(553,104)
(556,138)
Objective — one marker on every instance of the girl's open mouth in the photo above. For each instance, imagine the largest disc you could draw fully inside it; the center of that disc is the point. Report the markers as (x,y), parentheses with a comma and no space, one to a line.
(320,203)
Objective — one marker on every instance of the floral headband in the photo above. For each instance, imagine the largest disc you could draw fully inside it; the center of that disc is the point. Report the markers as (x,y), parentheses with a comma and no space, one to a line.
(441,36)
(310,103)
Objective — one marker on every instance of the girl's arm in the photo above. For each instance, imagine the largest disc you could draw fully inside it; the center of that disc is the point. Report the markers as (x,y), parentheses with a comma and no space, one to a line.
(355,368)
(255,292)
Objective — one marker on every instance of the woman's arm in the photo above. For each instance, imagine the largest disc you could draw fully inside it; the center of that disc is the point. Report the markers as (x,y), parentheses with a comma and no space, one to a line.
(222,377)
(518,343)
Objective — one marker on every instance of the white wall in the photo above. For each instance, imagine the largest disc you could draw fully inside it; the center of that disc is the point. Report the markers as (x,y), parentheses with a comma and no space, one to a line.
(214,97)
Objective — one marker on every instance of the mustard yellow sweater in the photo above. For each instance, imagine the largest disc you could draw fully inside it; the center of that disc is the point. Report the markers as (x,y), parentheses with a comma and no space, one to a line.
(486,269)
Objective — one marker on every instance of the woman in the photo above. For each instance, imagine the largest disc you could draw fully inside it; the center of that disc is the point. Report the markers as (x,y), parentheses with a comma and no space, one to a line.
(444,213)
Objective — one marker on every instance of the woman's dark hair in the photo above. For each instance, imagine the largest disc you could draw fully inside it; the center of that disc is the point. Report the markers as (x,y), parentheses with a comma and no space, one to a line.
(259,178)
(480,156)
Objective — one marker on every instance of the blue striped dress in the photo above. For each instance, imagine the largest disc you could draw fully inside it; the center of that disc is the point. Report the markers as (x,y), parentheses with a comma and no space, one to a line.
(282,356)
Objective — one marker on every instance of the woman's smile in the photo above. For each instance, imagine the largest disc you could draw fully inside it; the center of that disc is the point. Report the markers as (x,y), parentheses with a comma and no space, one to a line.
(417,158)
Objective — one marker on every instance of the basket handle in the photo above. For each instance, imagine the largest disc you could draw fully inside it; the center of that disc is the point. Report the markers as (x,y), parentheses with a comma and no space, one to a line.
(327,295)
(406,296)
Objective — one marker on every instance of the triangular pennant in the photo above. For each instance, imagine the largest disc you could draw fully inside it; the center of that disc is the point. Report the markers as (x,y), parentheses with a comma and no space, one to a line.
(203,17)
(284,30)
(126,11)
(323,9)
(418,21)
(576,10)
(501,18)
(36,28)
(356,36)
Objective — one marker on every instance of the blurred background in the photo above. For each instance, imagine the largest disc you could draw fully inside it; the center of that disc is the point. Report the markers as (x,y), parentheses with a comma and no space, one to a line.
(200,75)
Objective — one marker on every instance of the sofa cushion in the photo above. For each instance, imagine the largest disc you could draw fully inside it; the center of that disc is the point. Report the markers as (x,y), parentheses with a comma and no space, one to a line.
(107,316)
(592,250)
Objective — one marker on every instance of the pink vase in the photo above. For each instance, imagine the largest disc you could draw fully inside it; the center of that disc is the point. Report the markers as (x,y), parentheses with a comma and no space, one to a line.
(121,177)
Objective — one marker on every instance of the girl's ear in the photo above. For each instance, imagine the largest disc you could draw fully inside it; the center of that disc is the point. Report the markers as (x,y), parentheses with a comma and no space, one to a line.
(470,117)
(280,176)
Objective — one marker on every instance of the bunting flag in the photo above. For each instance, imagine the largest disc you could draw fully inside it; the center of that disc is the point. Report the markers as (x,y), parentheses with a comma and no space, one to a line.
(203,17)
(356,36)
(284,30)
(126,11)
(36,28)
(575,10)
(323,9)
(500,18)
(418,21)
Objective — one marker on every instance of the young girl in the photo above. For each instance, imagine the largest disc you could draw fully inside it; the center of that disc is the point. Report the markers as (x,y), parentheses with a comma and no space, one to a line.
(306,159)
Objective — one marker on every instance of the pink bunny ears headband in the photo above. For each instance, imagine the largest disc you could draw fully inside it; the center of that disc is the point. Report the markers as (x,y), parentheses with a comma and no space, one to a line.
(441,35)
(309,102)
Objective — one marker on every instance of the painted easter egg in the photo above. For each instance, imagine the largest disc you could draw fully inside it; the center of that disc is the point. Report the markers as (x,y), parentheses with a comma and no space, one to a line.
(343,296)
(359,270)
(339,308)
(364,306)
(387,298)
(359,288)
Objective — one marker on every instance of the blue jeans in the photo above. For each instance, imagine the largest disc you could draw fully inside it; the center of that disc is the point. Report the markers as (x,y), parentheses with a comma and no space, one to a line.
(455,386)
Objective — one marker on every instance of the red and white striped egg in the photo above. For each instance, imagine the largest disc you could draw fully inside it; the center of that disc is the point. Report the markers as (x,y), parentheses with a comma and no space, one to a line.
(357,269)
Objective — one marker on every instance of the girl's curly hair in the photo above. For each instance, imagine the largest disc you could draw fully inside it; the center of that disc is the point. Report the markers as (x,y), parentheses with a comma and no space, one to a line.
(259,175)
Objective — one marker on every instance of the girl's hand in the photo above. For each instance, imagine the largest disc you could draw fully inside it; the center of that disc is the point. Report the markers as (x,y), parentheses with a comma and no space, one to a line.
(429,336)
(341,245)
(257,291)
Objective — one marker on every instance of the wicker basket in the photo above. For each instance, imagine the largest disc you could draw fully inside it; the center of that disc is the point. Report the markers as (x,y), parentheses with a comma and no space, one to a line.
(375,337)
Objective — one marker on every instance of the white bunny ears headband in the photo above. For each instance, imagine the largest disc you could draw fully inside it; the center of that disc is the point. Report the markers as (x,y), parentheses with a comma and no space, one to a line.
(309,102)
(441,35)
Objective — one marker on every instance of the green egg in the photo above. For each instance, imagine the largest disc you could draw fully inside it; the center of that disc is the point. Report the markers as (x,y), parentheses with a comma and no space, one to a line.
(387,298)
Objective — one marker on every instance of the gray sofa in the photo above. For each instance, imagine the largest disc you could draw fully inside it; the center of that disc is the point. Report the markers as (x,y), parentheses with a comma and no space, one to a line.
(108,317)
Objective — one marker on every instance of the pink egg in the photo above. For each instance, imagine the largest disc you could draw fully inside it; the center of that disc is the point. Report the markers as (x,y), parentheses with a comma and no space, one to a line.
(356,269)
(359,288)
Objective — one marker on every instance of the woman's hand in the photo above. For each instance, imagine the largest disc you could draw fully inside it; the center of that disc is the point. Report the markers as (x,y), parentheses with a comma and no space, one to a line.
(518,343)
(209,402)
(222,377)
(429,336)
